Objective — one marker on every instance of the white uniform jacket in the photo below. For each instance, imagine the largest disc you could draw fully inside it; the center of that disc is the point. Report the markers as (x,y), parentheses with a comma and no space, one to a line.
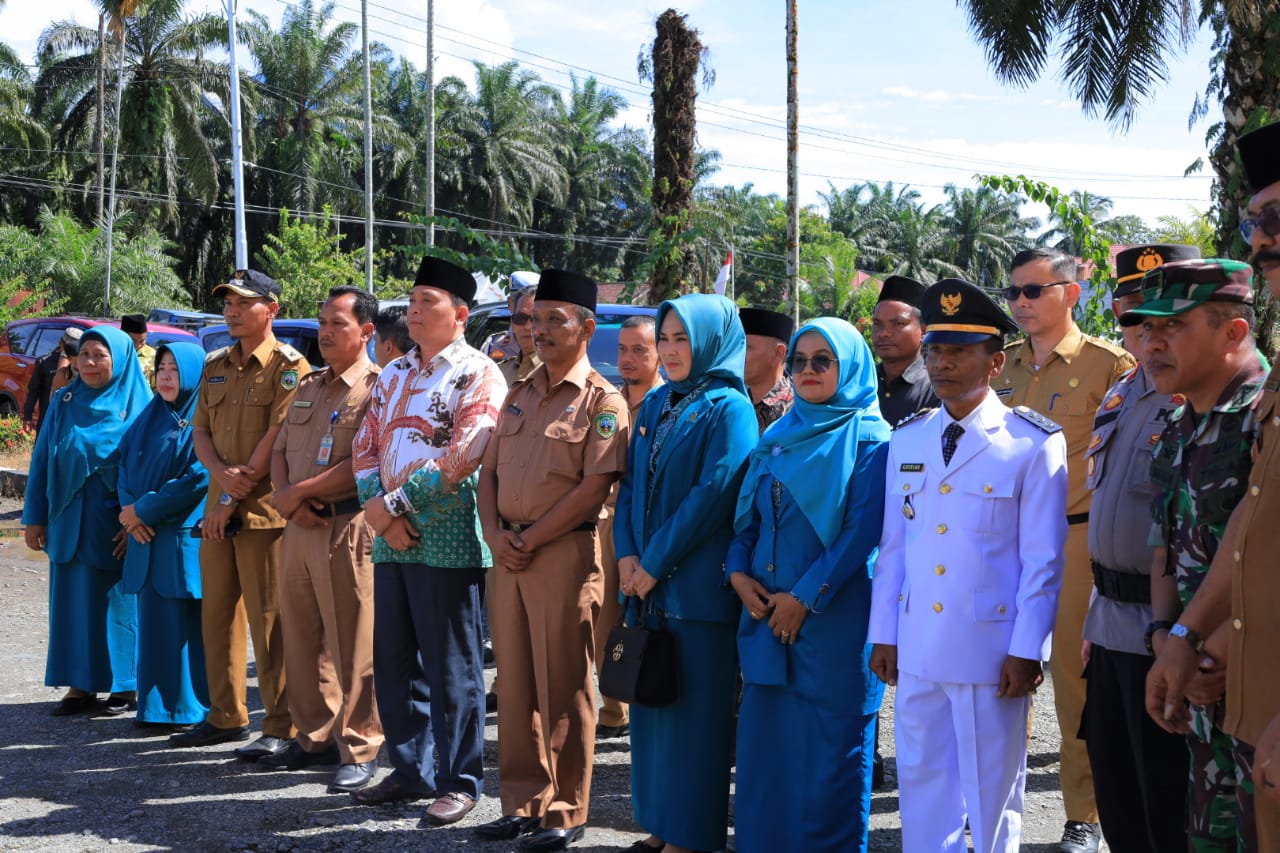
(971,553)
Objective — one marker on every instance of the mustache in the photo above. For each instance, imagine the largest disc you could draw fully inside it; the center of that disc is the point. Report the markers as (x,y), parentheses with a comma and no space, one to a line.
(1264,256)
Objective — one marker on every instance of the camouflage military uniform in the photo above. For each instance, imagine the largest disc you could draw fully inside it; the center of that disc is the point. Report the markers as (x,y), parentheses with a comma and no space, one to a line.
(1200,469)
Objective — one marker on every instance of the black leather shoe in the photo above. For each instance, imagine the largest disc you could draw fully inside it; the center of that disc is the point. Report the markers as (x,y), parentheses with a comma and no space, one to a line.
(263,747)
(296,758)
(491,702)
(507,827)
(206,734)
(68,705)
(551,839)
(353,777)
(611,732)
(877,772)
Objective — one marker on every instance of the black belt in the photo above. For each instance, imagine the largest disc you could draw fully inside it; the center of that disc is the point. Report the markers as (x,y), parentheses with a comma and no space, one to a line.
(1121,587)
(518,527)
(1078,518)
(348,507)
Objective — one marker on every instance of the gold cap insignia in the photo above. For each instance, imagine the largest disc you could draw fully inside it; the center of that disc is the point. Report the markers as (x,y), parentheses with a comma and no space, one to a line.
(1149,260)
(951,304)
(238,275)
(617,653)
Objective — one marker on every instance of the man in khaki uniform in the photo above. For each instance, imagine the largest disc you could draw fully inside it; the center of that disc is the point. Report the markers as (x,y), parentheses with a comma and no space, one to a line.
(638,366)
(1063,374)
(1232,621)
(559,446)
(245,394)
(326,577)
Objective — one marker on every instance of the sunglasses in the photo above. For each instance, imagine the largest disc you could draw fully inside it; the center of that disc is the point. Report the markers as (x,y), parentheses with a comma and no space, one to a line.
(521,319)
(1268,220)
(1031,291)
(820,363)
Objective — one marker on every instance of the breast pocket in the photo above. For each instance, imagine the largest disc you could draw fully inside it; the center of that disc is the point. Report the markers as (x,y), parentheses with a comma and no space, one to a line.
(300,415)
(907,490)
(985,506)
(257,406)
(507,435)
(1075,415)
(565,450)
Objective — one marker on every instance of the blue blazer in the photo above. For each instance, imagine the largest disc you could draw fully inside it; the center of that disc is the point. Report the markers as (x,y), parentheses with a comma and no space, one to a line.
(680,522)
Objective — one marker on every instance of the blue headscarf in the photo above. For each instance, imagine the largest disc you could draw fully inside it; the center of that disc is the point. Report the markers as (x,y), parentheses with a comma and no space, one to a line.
(813,449)
(88,423)
(715,336)
(167,450)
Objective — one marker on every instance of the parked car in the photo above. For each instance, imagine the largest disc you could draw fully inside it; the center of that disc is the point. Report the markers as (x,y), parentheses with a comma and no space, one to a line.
(182,318)
(303,335)
(27,341)
(493,317)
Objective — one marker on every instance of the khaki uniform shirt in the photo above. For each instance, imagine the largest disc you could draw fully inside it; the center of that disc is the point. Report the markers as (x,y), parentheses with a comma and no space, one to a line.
(1067,390)
(549,439)
(517,368)
(147,360)
(240,401)
(322,395)
(1253,666)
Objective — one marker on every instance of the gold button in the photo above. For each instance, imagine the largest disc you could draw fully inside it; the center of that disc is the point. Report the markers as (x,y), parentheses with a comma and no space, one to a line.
(1237,624)
(939,570)
(899,598)
(769,567)
(1253,490)
(986,490)
(1276,421)
(945,489)
(942,528)
(1035,379)
(1236,556)
(937,607)
(906,487)
(1002,608)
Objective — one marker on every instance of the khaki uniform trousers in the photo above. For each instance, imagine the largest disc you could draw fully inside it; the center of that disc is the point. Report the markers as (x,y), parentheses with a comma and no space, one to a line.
(546,692)
(239,578)
(1266,813)
(326,606)
(1074,773)
(612,711)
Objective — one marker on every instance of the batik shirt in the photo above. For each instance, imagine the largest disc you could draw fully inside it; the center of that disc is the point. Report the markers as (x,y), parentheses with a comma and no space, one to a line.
(776,403)
(420,445)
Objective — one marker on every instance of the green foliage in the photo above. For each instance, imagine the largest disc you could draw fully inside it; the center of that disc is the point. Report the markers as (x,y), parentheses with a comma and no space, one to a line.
(1195,229)
(307,259)
(14,436)
(18,299)
(481,253)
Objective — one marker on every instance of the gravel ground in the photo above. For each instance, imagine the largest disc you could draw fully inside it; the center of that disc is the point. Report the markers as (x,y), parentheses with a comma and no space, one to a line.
(87,784)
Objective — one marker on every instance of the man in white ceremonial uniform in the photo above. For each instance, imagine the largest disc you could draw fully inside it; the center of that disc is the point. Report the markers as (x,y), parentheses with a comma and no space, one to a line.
(966,584)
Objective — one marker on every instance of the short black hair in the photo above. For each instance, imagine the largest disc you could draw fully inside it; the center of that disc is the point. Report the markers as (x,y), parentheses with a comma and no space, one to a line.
(1224,312)
(993,344)
(365,305)
(1064,265)
(393,325)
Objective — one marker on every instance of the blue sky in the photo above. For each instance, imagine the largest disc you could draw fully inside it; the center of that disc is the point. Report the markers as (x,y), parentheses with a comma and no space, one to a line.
(889,90)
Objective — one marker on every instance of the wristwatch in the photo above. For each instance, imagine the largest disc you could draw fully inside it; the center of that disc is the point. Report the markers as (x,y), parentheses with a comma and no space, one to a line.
(225,499)
(1149,637)
(1189,634)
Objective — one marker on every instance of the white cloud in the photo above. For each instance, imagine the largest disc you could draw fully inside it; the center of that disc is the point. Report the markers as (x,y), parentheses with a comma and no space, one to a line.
(936,96)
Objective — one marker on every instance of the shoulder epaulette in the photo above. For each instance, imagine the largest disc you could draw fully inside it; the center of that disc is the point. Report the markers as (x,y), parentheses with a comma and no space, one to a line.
(1036,419)
(288,352)
(1014,344)
(919,413)
(216,354)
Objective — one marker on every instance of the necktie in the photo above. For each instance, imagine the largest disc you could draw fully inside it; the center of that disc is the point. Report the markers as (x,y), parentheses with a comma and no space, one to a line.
(950,437)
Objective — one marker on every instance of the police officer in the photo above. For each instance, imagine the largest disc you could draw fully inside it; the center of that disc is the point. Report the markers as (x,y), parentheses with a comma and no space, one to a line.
(519,364)
(1235,608)
(1140,768)
(326,577)
(896,335)
(245,394)
(1063,374)
(966,583)
(768,334)
(558,448)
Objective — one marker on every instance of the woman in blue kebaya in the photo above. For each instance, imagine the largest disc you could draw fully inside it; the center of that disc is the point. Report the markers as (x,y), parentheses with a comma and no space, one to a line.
(162,491)
(71,511)
(689,446)
(808,522)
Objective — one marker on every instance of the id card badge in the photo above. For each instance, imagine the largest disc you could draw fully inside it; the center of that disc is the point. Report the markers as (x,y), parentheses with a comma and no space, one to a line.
(326,449)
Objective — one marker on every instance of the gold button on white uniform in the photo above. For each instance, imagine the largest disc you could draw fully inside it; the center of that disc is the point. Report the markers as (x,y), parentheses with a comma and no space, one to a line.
(945,489)
(939,569)
(986,489)
(937,607)
(1002,608)
(942,528)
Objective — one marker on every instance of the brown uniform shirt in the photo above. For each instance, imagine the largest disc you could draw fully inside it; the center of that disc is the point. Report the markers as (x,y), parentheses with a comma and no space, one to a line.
(239,402)
(549,439)
(312,415)
(1067,390)
(1253,662)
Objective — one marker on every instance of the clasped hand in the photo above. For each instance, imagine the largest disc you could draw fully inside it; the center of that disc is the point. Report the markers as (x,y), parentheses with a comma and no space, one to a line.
(785,612)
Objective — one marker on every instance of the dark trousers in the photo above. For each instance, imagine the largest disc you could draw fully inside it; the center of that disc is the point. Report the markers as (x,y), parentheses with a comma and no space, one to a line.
(1139,770)
(428,674)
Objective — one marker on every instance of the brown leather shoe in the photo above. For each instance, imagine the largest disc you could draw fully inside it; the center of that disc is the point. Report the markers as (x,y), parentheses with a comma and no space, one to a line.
(449,808)
(389,790)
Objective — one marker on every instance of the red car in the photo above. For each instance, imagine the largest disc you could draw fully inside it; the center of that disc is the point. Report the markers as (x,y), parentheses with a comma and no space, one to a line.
(26,341)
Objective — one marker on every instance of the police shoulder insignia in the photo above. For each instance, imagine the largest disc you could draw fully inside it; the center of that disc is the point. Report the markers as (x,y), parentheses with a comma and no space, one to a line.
(914,416)
(288,352)
(1036,419)
(606,423)
(289,380)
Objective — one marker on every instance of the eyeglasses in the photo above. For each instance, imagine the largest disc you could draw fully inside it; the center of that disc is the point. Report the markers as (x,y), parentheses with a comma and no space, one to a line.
(820,363)
(521,319)
(1268,220)
(1032,291)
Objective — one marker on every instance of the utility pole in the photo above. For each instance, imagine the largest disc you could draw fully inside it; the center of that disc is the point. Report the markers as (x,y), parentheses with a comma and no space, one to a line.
(102,113)
(793,162)
(115,157)
(431,121)
(237,153)
(368,148)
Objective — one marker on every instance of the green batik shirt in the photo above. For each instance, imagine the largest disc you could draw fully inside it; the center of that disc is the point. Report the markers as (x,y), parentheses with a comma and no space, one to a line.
(1200,470)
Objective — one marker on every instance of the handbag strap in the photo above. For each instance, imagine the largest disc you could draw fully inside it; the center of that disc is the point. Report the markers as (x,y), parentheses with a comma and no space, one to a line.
(643,610)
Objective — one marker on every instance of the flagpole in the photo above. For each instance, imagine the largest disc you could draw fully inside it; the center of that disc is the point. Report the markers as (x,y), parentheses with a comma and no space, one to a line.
(733,292)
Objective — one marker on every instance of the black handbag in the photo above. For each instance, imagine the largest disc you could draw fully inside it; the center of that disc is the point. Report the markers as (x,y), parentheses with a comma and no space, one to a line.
(639,666)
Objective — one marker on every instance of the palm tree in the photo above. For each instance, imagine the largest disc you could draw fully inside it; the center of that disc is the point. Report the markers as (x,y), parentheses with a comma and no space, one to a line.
(1060,234)
(24,141)
(986,230)
(165,149)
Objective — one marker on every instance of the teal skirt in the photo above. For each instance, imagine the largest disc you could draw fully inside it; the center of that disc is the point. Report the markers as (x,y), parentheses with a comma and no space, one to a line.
(93,630)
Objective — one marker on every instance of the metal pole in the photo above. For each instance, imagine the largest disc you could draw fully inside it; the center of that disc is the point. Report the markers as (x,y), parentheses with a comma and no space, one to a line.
(733,274)
(793,161)
(115,157)
(368,148)
(237,154)
(102,112)
(431,121)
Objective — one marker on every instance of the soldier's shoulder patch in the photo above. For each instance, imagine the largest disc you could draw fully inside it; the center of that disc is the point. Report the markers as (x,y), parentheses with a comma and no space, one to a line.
(288,352)
(1036,419)
(289,379)
(914,416)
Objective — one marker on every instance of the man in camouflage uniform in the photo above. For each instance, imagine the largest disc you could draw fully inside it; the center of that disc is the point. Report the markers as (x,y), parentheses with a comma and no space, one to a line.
(1197,321)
